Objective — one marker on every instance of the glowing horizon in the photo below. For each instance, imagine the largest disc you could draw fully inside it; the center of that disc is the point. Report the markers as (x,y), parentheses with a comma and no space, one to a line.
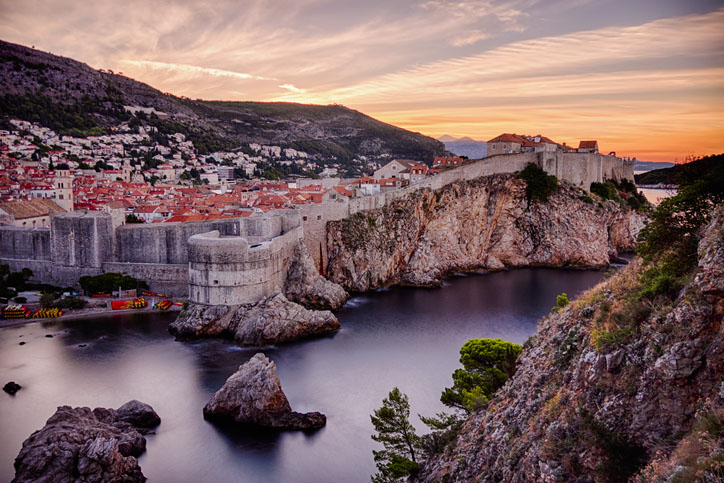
(646,82)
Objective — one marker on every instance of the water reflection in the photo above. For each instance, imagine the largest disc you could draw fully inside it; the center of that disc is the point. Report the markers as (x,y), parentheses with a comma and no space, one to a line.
(399,337)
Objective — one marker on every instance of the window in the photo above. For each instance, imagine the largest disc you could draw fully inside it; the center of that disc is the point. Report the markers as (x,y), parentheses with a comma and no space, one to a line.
(304,218)
(319,217)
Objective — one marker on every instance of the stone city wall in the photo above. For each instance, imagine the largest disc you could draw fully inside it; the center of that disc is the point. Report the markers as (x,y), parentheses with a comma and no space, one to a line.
(227,270)
(91,243)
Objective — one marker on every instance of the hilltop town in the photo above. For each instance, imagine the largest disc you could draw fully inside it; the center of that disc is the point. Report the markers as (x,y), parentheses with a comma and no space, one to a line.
(155,179)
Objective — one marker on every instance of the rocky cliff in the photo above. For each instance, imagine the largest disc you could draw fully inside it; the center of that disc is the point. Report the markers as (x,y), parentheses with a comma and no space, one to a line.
(609,388)
(484,223)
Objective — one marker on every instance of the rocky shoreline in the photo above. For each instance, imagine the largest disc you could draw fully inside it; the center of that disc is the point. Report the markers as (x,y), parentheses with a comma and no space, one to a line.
(486,223)
(80,444)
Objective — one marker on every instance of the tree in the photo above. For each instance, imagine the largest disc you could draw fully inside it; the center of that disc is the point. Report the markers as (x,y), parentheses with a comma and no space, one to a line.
(47,300)
(392,423)
(132,218)
(487,364)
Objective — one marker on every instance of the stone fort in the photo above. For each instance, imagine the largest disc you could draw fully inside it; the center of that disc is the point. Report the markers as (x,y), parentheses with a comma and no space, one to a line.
(239,260)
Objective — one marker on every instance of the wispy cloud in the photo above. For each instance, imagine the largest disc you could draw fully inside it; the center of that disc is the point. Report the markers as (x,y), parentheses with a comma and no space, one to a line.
(192,69)
(291,87)
(470,38)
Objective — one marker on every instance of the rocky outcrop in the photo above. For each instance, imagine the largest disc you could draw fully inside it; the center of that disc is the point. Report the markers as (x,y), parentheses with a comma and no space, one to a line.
(77,444)
(484,223)
(12,387)
(272,321)
(305,286)
(253,396)
(605,385)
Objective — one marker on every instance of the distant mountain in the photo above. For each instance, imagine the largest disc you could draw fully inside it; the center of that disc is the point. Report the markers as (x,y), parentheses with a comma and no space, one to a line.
(465,146)
(650,165)
(71,97)
(688,172)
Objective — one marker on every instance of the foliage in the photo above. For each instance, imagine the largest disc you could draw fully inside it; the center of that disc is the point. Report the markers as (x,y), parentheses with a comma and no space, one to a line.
(71,303)
(17,280)
(20,300)
(108,282)
(622,459)
(132,218)
(47,300)
(561,301)
(401,444)
(606,190)
(445,428)
(487,364)
(668,244)
(540,185)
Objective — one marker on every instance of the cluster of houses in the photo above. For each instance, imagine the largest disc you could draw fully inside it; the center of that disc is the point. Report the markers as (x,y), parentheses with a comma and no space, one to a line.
(48,179)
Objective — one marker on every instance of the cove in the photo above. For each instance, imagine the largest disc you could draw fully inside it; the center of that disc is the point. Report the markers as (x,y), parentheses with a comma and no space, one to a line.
(405,337)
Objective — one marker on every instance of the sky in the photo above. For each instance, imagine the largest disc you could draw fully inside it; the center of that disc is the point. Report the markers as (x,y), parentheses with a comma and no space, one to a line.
(643,77)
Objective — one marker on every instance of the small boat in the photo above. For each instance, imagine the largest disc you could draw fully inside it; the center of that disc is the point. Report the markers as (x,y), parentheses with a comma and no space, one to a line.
(164,304)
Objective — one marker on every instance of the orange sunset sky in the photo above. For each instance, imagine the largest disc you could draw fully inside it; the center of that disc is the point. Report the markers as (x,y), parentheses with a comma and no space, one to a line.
(644,78)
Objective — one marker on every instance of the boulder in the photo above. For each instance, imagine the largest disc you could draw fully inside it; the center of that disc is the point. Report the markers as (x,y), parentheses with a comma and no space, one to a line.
(139,414)
(276,319)
(80,444)
(12,387)
(253,396)
(305,286)
(273,320)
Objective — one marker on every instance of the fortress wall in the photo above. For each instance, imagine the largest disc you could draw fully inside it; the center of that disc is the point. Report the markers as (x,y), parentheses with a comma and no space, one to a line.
(228,271)
(45,271)
(83,240)
(25,243)
(164,278)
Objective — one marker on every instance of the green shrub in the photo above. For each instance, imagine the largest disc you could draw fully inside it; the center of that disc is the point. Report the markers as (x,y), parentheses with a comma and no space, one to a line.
(487,364)
(108,282)
(561,301)
(586,199)
(47,300)
(606,190)
(540,185)
(71,303)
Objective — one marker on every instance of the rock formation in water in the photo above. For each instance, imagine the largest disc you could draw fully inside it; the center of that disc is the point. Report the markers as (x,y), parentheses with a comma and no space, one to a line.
(12,387)
(305,286)
(77,444)
(484,223)
(253,396)
(273,320)
(608,388)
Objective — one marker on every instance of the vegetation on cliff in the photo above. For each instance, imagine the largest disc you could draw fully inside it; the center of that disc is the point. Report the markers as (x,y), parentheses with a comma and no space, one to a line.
(624,382)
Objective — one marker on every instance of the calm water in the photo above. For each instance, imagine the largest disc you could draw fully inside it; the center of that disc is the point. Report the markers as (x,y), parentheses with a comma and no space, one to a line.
(400,337)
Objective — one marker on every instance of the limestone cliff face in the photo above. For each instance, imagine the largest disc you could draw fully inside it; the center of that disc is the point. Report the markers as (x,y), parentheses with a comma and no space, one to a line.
(484,223)
(595,402)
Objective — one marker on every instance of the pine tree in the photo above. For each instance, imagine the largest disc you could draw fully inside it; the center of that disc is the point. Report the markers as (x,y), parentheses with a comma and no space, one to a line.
(402,445)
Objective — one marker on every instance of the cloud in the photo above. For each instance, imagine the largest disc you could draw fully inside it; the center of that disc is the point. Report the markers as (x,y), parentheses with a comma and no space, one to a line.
(292,88)
(193,70)
(471,38)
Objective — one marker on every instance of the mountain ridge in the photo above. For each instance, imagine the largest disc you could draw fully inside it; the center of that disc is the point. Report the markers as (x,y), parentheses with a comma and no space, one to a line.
(44,86)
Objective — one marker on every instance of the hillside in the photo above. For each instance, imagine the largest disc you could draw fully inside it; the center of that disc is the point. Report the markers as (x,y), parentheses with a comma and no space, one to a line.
(625,383)
(72,98)
(683,173)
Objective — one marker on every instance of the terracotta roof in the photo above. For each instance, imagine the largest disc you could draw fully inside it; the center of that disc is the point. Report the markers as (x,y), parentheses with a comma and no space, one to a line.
(22,209)
(588,145)
(508,138)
